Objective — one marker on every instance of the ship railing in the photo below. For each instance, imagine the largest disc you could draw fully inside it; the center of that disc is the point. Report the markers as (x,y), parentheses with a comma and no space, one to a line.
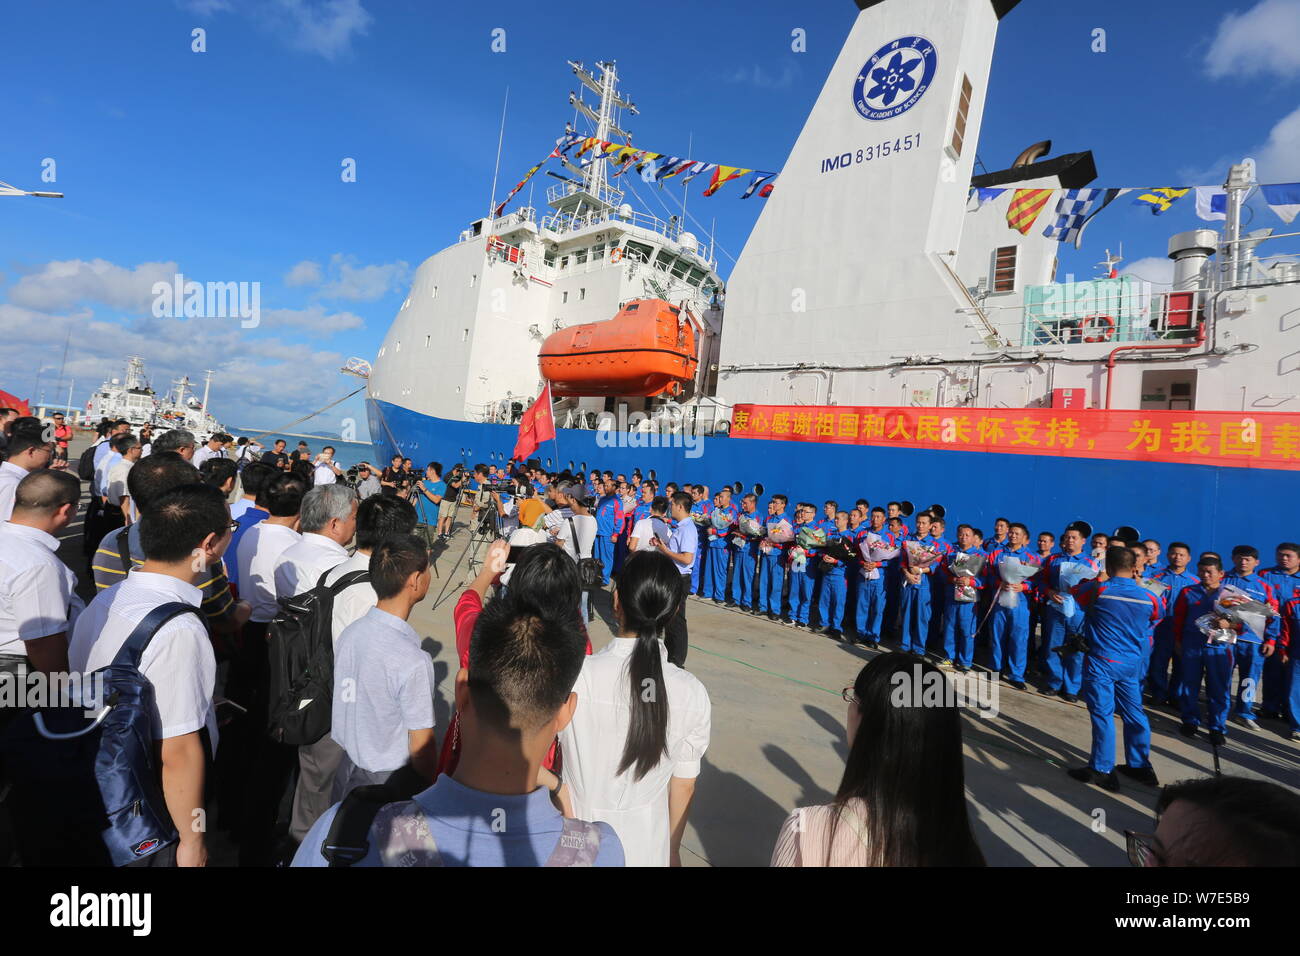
(559,192)
(1104,310)
(562,223)
(1251,269)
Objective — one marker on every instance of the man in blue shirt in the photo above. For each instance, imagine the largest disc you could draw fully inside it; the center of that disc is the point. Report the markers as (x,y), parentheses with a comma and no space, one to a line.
(1009,634)
(1175,577)
(512,700)
(771,579)
(1061,616)
(1284,576)
(915,604)
(1197,656)
(830,607)
(1119,615)
(609,524)
(681,546)
(869,612)
(713,581)
(255,476)
(746,549)
(1250,652)
(959,619)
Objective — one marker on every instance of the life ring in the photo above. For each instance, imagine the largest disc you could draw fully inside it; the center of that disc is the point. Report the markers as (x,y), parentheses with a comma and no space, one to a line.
(616,254)
(1091,332)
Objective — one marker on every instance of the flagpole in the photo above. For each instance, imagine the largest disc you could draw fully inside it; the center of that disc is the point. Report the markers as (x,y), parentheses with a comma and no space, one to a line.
(492,203)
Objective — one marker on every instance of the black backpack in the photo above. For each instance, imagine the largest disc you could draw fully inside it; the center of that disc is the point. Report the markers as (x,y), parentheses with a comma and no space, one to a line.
(87,788)
(590,571)
(86,464)
(302,662)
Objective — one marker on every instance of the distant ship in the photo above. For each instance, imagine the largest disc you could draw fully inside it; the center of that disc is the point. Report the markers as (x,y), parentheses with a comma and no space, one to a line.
(133,399)
(882,332)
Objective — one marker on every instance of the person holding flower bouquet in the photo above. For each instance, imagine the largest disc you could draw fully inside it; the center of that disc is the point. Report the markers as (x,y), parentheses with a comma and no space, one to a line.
(700,509)
(1198,656)
(744,540)
(1251,653)
(1061,616)
(1009,634)
(938,602)
(915,603)
(963,573)
(722,520)
(877,546)
(803,560)
(830,606)
(778,533)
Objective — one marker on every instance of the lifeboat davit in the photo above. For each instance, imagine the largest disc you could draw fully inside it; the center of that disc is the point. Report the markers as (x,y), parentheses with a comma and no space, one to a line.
(648,348)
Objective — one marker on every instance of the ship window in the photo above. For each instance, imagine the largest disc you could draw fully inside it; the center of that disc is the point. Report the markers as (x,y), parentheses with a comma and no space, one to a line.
(680,268)
(634,306)
(564,298)
(663,261)
(473,279)
(959,126)
(398,347)
(696,277)
(582,294)
(426,341)
(580,257)
(464,335)
(549,259)
(598,252)
(1004,269)
(564,262)
(434,293)
(639,251)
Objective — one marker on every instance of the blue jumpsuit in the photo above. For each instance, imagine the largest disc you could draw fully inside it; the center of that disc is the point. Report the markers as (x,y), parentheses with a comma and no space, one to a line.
(869,615)
(960,618)
(700,507)
(1009,634)
(830,606)
(772,570)
(801,582)
(1248,651)
(938,601)
(1277,678)
(742,583)
(1291,635)
(915,604)
(1064,671)
(1119,615)
(1199,657)
(1160,681)
(714,578)
(609,522)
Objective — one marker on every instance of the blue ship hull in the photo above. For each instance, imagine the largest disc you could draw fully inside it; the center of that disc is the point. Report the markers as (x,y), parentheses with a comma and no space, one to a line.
(1211,508)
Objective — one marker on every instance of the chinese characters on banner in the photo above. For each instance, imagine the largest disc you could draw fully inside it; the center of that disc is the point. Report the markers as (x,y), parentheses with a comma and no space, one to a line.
(1234,439)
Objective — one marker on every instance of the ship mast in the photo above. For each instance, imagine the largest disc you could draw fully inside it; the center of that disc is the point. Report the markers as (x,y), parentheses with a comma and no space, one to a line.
(207,384)
(605,118)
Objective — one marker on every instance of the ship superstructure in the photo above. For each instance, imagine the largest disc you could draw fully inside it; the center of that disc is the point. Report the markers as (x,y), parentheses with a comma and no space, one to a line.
(135,400)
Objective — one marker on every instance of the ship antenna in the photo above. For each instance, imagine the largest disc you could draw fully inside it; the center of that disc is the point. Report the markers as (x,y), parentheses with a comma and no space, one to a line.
(492,203)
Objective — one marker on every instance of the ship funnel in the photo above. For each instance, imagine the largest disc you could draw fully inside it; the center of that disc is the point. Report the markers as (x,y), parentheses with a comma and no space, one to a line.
(1190,252)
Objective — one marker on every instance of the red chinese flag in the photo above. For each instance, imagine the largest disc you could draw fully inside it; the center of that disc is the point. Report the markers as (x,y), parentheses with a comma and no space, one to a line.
(537,426)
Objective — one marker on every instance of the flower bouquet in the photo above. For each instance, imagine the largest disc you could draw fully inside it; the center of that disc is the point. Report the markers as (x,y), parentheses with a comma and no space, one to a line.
(798,559)
(1208,624)
(777,534)
(1069,576)
(965,566)
(701,518)
(1239,607)
(720,519)
(811,537)
(876,549)
(1014,571)
(748,528)
(919,557)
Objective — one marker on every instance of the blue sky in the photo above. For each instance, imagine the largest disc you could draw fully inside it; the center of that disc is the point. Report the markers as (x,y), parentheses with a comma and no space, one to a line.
(226,164)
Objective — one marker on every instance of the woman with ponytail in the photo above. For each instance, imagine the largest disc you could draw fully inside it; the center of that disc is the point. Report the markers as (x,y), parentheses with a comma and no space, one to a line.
(633,749)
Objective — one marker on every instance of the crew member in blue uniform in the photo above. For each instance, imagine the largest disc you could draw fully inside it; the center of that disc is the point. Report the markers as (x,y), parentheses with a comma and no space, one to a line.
(1197,655)
(938,602)
(1177,575)
(701,506)
(857,525)
(830,607)
(914,603)
(1284,576)
(609,523)
(1154,565)
(772,565)
(1062,667)
(869,615)
(827,525)
(714,582)
(802,573)
(1119,614)
(1251,652)
(1009,633)
(1289,653)
(746,564)
(960,617)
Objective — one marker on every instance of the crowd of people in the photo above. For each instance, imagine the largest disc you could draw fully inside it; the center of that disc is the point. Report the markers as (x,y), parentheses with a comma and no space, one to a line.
(265,598)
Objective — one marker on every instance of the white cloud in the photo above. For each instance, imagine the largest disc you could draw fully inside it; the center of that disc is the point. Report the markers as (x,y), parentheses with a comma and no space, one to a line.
(205,8)
(363,283)
(1265,39)
(325,27)
(63,284)
(1278,160)
(304,273)
(314,319)
(757,76)
(1158,270)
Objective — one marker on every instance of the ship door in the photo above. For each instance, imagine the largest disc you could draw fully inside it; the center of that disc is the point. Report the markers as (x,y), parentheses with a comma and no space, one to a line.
(1169,390)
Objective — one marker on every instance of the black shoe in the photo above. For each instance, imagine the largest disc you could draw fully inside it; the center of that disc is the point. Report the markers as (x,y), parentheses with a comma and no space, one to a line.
(1068,697)
(1017,684)
(962,668)
(786,619)
(1270,715)
(1145,775)
(1188,730)
(1049,692)
(730,604)
(772,616)
(1107,781)
(831,632)
(1217,738)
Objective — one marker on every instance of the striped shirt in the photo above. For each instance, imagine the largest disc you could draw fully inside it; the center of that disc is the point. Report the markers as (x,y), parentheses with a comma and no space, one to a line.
(218,603)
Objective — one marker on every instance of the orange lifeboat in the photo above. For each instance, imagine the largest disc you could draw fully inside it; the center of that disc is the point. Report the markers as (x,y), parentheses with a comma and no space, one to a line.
(647,349)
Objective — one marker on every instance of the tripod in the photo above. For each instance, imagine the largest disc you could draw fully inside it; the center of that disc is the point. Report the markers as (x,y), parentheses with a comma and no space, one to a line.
(484,529)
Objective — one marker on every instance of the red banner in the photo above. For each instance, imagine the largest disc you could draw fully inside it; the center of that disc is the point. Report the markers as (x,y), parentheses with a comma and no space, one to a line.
(1235,439)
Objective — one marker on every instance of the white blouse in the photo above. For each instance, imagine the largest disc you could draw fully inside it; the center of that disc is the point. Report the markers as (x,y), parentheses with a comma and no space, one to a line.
(807,833)
(593,742)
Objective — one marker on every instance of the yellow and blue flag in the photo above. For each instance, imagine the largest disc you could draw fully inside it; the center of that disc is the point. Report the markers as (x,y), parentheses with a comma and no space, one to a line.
(1159,200)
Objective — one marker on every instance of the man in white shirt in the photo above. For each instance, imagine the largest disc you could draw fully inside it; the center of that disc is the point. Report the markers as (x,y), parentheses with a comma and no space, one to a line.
(643,532)
(261,547)
(38,600)
(178,440)
(326,472)
(214,447)
(383,681)
(328,522)
(378,517)
(29,450)
(682,543)
(182,533)
(116,495)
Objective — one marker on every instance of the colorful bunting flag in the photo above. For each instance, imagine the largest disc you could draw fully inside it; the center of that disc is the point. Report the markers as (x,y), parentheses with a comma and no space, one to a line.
(760,179)
(1283,199)
(983,195)
(1159,200)
(697,169)
(1074,209)
(1025,206)
(1211,202)
(723,175)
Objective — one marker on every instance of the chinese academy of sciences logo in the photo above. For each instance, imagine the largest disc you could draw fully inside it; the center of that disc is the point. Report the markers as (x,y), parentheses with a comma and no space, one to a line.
(895,78)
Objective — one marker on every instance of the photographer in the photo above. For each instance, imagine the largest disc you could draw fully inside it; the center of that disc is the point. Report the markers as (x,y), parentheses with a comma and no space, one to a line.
(447,510)
(391,479)
(325,471)
(435,490)
(367,483)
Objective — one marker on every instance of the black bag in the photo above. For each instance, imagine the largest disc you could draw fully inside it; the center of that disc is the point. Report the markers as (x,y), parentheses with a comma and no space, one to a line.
(86,464)
(301,651)
(88,789)
(590,571)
